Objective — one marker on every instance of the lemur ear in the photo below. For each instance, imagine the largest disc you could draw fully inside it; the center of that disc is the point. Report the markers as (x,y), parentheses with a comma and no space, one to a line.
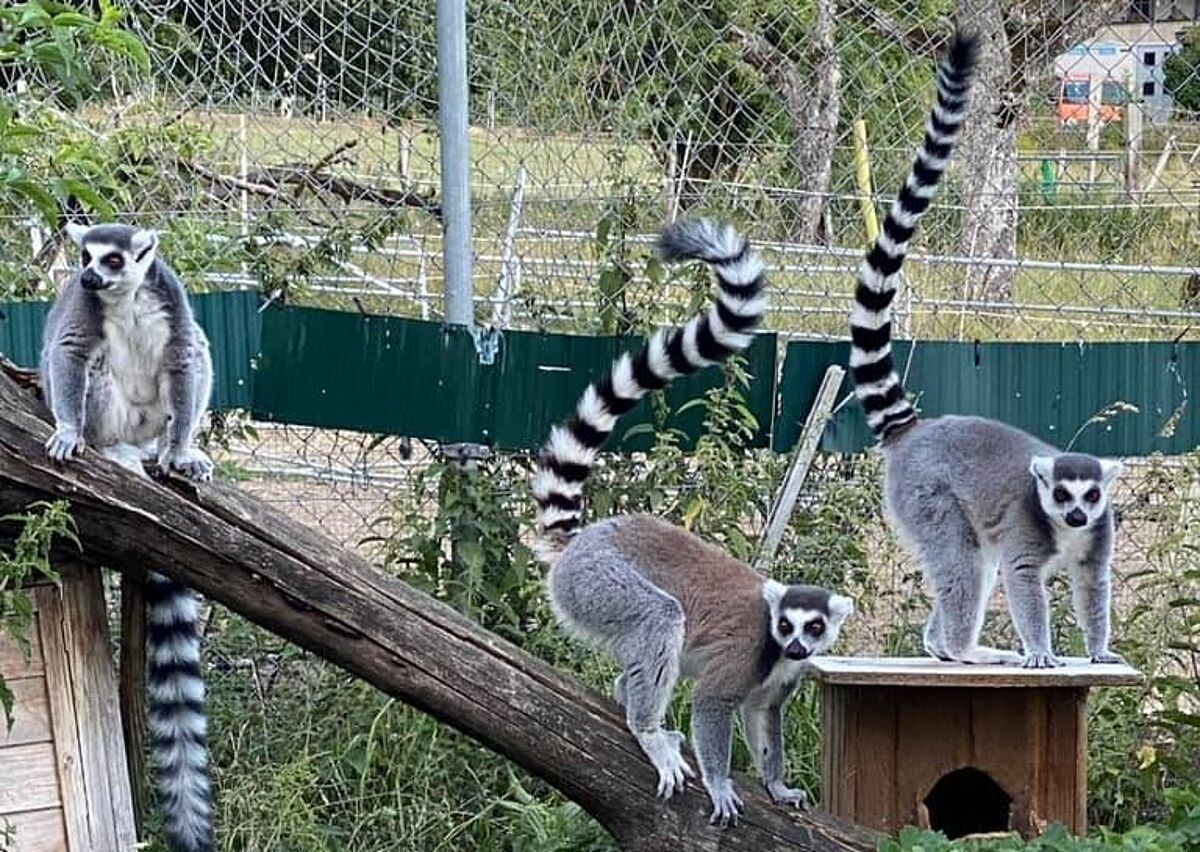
(77,232)
(840,608)
(773,592)
(1110,469)
(1043,468)
(143,243)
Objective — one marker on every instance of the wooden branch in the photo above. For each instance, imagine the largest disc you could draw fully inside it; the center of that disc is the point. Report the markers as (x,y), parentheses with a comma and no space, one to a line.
(291,580)
(271,181)
(916,38)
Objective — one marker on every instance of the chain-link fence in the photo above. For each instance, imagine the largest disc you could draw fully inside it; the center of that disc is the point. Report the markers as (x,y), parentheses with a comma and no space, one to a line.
(292,146)
(312,168)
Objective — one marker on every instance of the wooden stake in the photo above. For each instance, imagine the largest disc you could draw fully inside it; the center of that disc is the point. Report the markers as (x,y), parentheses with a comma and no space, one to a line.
(806,451)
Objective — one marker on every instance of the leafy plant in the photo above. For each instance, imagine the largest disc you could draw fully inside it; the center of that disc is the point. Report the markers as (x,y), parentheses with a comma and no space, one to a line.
(469,553)
(64,50)
(41,525)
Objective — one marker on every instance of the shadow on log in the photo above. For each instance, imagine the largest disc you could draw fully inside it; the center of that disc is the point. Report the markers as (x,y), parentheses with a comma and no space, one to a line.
(291,580)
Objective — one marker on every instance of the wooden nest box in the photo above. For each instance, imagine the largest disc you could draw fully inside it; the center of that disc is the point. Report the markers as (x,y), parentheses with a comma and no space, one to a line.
(64,784)
(957,748)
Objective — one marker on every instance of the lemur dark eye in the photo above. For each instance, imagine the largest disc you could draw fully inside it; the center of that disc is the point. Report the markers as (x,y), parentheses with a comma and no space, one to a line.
(1092,495)
(87,257)
(113,261)
(1061,495)
(815,628)
(785,627)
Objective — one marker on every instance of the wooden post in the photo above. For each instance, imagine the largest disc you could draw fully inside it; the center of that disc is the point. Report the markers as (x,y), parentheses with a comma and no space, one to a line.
(1095,92)
(133,688)
(862,180)
(806,451)
(63,783)
(1160,165)
(1133,146)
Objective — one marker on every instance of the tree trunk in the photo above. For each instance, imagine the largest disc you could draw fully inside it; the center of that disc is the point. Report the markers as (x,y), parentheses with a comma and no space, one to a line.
(987,159)
(1020,41)
(291,580)
(813,105)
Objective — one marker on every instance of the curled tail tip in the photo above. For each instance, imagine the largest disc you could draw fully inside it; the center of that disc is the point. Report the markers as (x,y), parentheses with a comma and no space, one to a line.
(700,239)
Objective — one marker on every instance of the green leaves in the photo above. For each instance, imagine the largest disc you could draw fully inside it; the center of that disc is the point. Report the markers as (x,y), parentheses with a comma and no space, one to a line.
(41,526)
(44,160)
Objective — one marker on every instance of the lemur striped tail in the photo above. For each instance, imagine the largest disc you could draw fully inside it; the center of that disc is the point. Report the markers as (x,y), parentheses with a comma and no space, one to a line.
(708,338)
(178,728)
(875,379)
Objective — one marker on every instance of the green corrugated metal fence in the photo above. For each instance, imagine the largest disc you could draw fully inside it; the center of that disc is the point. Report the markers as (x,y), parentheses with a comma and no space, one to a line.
(1048,389)
(408,377)
(229,319)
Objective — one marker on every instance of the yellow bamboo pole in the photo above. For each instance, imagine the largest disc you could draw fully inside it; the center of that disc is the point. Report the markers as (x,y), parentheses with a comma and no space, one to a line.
(862,177)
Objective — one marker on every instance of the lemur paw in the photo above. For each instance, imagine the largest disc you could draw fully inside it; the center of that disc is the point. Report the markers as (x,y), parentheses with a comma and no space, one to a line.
(1111,658)
(663,749)
(726,803)
(782,794)
(1041,661)
(191,462)
(65,443)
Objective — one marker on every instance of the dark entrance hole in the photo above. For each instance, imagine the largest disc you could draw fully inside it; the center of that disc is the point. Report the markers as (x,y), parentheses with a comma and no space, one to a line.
(967,801)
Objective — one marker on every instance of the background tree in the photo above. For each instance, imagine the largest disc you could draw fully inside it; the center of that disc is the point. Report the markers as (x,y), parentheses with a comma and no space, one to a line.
(1181,72)
(1020,39)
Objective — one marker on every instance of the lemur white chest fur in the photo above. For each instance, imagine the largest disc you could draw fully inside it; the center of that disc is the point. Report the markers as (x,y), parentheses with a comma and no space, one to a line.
(135,336)
(1071,547)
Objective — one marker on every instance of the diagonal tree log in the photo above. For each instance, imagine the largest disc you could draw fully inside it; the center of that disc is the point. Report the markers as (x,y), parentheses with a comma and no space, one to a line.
(296,583)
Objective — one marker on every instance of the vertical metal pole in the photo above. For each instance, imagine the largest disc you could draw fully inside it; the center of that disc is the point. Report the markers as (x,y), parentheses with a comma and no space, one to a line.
(456,159)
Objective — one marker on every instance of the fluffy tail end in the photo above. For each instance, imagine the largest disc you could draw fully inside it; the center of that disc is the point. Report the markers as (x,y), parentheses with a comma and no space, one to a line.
(178,726)
(708,338)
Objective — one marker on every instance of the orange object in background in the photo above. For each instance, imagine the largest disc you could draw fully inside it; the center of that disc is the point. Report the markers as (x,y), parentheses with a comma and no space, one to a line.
(1071,100)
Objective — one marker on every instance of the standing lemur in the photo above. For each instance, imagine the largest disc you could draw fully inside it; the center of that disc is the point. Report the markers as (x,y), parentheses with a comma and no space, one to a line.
(662,601)
(126,370)
(967,494)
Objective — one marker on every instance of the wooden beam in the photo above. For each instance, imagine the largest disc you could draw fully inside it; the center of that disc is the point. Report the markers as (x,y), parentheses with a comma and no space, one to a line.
(291,580)
(132,689)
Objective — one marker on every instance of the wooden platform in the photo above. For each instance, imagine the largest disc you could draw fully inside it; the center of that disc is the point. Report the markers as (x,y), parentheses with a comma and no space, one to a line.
(959,748)
(923,671)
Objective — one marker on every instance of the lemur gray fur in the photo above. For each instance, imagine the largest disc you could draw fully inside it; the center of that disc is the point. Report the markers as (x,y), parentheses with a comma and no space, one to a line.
(968,494)
(126,370)
(663,602)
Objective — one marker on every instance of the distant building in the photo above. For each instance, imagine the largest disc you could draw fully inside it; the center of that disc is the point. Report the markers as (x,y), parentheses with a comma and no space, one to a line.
(1128,52)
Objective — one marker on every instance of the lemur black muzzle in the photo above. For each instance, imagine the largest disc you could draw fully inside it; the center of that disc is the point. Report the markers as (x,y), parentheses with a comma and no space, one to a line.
(89,280)
(1075,518)
(796,651)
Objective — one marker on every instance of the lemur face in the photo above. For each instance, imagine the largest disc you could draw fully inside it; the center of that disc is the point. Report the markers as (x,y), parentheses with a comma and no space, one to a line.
(114,258)
(1073,488)
(805,620)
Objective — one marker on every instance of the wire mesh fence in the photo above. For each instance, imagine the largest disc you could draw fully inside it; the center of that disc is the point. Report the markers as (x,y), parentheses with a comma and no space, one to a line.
(292,146)
(1072,211)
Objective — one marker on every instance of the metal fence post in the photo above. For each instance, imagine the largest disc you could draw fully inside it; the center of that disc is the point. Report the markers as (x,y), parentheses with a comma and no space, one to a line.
(456,159)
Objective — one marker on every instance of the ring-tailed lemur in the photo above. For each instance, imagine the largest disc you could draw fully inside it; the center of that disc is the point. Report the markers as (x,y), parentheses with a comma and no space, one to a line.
(662,601)
(967,494)
(126,370)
